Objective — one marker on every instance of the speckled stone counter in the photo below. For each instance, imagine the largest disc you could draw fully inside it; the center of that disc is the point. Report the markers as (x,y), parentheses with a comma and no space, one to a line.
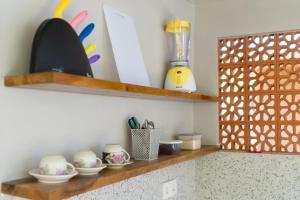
(218,176)
(242,176)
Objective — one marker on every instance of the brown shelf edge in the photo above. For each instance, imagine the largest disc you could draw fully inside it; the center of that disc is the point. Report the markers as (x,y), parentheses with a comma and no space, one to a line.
(30,188)
(54,81)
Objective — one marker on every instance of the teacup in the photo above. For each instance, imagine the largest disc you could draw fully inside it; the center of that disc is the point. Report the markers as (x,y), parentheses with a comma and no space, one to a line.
(115,154)
(86,159)
(55,165)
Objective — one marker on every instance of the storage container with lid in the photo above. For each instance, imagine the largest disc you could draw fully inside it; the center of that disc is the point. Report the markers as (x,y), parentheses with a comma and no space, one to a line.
(170,147)
(190,141)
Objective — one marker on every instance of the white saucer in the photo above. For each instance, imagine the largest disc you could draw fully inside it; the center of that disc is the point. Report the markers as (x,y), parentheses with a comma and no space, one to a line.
(52,179)
(90,171)
(118,166)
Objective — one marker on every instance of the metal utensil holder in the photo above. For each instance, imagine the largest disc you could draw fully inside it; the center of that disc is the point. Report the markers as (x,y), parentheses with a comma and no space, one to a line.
(145,143)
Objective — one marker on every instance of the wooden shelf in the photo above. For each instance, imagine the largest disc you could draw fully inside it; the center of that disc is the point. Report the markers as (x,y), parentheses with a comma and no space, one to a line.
(79,84)
(31,189)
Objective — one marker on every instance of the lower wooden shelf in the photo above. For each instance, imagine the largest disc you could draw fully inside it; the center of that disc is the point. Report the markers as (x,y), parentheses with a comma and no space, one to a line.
(31,189)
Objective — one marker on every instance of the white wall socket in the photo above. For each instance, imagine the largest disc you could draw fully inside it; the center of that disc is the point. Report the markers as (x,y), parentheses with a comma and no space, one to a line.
(169,189)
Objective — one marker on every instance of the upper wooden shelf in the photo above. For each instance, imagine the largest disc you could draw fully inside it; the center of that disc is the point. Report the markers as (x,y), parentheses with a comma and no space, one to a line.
(79,84)
(29,188)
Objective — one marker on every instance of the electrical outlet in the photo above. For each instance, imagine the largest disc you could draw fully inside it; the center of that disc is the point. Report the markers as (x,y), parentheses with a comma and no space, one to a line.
(169,189)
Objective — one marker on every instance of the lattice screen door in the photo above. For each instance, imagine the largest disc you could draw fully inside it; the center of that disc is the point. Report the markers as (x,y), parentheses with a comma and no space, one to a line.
(259,92)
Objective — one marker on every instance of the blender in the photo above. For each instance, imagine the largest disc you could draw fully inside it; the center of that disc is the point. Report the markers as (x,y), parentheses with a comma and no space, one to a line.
(179,77)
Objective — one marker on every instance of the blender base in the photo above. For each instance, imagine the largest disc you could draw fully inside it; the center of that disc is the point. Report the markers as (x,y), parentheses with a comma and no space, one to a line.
(181,79)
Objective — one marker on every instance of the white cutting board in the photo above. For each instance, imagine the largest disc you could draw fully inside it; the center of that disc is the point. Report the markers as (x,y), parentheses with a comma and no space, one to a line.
(126,48)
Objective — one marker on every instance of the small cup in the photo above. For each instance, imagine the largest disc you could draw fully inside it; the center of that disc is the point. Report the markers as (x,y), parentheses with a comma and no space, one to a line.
(115,154)
(86,159)
(55,166)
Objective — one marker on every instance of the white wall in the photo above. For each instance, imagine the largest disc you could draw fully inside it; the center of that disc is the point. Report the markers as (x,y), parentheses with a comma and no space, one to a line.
(219,18)
(37,123)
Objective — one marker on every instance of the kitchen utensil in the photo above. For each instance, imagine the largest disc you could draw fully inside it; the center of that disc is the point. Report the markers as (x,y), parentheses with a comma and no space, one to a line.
(118,166)
(134,123)
(52,179)
(86,159)
(148,125)
(86,31)
(115,154)
(55,165)
(90,49)
(94,59)
(145,143)
(127,51)
(61,8)
(179,76)
(56,47)
(91,171)
(79,18)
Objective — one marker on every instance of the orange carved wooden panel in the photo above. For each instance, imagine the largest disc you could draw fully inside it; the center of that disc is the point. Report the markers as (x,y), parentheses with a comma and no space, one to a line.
(290,108)
(289,45)
(261,77)
(290,138)
(259,92)
(261,48)
(289,76)
(232,80)
(233,136)
(232,109)
(231,51)
(261,108)
(262,137)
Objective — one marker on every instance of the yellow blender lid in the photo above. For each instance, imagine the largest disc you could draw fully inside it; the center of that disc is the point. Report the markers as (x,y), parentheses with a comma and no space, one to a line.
(178,25)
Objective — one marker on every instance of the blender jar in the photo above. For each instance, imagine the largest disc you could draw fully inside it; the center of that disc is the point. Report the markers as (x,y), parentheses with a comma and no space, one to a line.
(179,41)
